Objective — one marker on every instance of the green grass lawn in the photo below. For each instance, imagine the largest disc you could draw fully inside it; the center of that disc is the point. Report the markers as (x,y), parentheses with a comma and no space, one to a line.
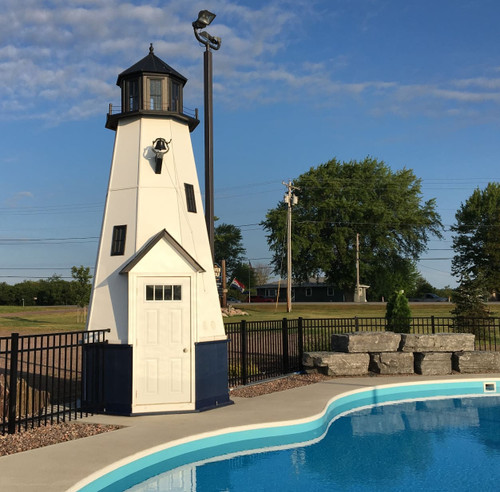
(31,320)
(35,319)
(268,311)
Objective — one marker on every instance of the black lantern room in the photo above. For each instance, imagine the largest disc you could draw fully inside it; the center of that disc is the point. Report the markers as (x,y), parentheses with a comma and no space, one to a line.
(151,88)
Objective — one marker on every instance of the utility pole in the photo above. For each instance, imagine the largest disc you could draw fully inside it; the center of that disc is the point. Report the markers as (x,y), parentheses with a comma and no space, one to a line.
(360,292)
(357,263)
(290,199)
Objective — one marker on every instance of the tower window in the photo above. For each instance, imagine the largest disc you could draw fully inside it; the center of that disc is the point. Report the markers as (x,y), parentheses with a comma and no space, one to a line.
(118,240)
(191,203)
(133,95)
(175,97)
(155,95)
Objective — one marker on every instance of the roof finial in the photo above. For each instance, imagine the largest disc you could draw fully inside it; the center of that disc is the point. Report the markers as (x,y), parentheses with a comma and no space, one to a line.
(151,49)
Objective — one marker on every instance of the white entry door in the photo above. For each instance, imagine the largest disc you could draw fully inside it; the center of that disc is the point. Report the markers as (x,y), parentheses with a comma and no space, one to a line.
(163,341)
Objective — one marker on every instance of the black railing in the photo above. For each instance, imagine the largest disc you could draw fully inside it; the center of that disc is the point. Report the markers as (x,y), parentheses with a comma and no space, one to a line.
(42,377)
(114,109)
(259,350)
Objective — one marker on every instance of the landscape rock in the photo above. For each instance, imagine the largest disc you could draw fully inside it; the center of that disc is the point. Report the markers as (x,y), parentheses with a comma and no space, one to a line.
(337,363)
(432,363)
(313,359)
(378,341)
(439,342)
(232,311)
(391,363)
(476,362)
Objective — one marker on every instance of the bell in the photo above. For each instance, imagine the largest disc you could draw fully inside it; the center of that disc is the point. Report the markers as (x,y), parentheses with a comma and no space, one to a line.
(160,145)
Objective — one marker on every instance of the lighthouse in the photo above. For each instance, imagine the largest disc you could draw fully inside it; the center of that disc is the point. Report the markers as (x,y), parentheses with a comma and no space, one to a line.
(154,286)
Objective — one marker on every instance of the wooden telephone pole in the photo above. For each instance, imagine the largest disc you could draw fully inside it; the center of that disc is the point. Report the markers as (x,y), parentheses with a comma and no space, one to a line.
(290,199)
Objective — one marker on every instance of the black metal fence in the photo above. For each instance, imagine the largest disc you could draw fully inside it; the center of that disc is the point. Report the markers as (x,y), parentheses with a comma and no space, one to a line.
(41,378)
(259,350)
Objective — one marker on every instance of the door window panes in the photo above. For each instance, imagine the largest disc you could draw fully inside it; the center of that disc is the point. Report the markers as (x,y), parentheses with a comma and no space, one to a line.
(158,292)
(167,292)
(177,292)
(163,293)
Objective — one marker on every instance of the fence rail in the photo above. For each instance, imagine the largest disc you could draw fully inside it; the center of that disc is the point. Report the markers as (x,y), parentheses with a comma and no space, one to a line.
(260,350)
(41,378)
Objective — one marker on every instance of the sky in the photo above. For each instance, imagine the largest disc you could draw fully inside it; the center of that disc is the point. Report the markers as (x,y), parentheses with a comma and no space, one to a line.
(413,83)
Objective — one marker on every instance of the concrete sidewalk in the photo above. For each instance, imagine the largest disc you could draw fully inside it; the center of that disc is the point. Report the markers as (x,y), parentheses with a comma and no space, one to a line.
(61,466)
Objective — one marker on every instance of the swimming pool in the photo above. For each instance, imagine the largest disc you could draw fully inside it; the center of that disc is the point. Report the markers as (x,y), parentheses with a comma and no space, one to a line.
(445,445)
(196,449)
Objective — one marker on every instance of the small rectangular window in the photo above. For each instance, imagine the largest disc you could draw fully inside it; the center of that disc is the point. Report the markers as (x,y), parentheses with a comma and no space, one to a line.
(329,291)
(155,96)
(309,292)
(118,240)
(149,293)
(191,202)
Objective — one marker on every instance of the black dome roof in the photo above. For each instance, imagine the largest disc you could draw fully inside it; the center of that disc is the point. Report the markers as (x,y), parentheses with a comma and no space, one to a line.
(151,64)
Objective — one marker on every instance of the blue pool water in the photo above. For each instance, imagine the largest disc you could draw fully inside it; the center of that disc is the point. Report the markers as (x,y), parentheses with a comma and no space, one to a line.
(436,444)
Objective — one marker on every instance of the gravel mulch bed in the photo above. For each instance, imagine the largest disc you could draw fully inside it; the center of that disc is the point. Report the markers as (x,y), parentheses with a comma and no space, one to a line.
(50,434)
(280,384)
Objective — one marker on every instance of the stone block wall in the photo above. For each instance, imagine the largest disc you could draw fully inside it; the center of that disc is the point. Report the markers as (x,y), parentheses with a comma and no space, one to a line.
(359,353)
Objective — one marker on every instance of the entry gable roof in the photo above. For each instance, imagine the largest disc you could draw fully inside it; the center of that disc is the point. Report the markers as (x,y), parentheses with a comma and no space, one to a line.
(149,246)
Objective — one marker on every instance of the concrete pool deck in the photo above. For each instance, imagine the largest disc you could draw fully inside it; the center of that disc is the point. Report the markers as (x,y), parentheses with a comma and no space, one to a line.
(59,467)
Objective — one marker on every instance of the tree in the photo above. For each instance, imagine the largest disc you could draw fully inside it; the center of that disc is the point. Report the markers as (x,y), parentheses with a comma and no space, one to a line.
(228,246)
(477,239)
(81,285)
(338,200)
(398,313)
(262,273)
(422,287)
(470,299)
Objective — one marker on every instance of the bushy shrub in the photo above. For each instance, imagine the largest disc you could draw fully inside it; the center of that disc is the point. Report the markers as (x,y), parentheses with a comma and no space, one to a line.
(234,370)
(398,313)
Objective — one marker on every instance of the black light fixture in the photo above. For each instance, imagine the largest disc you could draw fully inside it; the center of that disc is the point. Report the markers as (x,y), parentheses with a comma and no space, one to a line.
(160,148)
(205,18)
(210,42)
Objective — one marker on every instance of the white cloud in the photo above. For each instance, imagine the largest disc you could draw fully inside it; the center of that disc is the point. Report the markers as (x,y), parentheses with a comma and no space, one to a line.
(60,59)
(18,198)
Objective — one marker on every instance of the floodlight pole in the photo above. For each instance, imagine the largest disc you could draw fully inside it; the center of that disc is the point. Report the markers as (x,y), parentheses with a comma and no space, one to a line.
(209,147)
(210,42)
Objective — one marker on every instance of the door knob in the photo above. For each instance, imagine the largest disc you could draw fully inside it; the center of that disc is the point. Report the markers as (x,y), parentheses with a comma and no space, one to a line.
(185,350)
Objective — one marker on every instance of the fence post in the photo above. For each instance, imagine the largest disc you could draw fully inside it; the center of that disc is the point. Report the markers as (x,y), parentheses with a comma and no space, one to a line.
(284,333)
(300,340)
(356,323)
(14,355)
(243,344)
(433,325)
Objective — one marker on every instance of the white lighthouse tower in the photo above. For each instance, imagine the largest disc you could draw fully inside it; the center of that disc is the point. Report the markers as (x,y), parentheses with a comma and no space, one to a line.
(154,285)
